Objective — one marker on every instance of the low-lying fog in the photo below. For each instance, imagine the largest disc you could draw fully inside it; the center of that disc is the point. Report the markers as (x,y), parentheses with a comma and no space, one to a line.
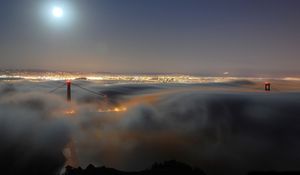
(230,127)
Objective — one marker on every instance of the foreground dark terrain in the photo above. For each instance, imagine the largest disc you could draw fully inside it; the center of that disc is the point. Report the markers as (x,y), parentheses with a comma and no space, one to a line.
(169,167)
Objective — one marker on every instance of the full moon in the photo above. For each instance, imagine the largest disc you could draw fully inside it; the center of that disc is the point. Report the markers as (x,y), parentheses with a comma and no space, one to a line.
(57,12)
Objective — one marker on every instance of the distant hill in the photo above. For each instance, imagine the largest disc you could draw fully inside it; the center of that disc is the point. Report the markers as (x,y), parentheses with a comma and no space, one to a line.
(167,168)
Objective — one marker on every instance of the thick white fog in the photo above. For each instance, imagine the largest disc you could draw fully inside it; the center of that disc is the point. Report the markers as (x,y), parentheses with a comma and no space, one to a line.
(230,127)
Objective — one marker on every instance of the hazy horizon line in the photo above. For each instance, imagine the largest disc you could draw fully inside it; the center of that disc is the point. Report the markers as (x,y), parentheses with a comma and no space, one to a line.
(224,74)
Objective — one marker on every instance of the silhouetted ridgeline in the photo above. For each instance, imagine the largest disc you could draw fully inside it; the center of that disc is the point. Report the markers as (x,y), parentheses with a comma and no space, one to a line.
(274,173)
(167,168)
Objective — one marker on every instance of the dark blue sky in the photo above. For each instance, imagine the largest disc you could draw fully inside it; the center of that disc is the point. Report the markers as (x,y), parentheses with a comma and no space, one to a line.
(246,37)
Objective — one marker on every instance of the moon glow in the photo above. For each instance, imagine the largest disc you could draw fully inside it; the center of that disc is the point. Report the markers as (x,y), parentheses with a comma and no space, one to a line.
(57,12)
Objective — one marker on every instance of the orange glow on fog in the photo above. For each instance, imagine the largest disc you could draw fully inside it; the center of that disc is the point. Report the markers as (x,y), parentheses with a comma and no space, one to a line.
(116,109)
(70,112)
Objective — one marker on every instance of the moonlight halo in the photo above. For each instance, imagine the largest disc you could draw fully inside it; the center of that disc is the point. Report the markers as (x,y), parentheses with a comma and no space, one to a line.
(57,12)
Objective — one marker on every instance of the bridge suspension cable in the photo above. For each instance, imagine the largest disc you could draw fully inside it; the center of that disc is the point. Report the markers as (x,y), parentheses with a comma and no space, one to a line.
(53,90)
(90,91)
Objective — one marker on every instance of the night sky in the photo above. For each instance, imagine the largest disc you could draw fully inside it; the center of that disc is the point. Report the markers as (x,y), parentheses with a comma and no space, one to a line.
(254,37)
